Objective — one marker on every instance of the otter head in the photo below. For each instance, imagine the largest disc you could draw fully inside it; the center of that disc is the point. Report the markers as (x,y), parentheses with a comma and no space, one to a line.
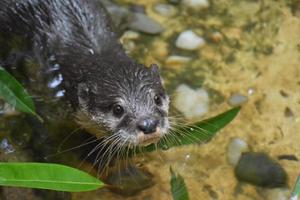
(128,101)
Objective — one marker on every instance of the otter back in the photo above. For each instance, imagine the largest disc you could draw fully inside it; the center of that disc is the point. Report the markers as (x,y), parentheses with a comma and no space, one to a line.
(108,88)
(76,33)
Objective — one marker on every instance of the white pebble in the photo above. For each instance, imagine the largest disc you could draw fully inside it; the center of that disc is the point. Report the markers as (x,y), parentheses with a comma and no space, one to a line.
(165,10)
(192,103)
(235,149)
(188,40)
(174,59)
(237,100)
(130,35)
(251,91)
(196,4)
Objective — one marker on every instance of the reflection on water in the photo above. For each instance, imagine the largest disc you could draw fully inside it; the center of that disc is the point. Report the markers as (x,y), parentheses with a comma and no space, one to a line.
(250,55)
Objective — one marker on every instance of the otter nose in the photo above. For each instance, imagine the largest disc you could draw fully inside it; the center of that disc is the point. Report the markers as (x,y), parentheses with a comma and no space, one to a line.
(148,125)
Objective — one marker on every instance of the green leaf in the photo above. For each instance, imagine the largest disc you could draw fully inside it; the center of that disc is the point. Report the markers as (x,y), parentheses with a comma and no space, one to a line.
(296,190)
(178,187)
(47,176)
(201,131)
(14,94)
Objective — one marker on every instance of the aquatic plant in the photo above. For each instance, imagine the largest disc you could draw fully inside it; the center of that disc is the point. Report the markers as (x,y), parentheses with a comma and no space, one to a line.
(178,187)
(296,190)
(15,94)
(47,176)
(63,178)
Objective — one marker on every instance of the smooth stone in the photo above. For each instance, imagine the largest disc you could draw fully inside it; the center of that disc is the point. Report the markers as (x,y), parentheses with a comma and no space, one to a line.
(237,100)
(137,8)
(196,4)
(120,15)
(188,40)
(165,10)
(130,180)
(130,35)
(276,194)
(192,103)
(260,170)
(251,91)
(145,24)
(6,147)
(236,147)
(7,110)
(216,37)
(174,2)
(175,60)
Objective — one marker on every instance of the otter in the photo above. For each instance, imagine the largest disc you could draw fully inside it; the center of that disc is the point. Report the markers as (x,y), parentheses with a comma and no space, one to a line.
(114,97)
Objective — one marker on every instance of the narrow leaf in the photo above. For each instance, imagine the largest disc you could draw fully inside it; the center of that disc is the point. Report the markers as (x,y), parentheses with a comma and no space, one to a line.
(14,94)
(178,187)
(296,190)
(201,131)
(47,176)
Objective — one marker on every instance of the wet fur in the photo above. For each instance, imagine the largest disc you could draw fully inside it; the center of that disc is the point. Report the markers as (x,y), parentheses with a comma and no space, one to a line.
(97,74)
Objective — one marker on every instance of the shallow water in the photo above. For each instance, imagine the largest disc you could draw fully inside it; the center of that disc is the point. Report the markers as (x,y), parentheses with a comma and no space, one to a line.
(252,48)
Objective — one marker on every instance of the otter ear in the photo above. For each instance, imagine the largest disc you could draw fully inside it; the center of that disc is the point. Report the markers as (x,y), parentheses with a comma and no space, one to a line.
(154,68)
(155,72)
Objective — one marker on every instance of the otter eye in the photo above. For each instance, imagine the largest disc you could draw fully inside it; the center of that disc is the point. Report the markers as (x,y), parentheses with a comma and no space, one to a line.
(157,100)
(118,110)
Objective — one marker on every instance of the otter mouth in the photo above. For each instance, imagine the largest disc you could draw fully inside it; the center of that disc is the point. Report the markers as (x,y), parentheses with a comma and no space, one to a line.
(147,139)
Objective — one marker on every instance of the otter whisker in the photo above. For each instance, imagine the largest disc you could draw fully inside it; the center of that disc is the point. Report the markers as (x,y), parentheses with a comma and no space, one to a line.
(127,153)
(109,153)
(189,136)
(186,122)
(72,148)
(118,147)
(105,141)
(188,127)
(99,160)
(120,151)
(172,139)
(169,140)
(101,144)
(66,138)
(174,132)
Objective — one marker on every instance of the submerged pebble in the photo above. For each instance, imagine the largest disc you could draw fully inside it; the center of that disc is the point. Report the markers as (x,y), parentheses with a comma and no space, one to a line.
(6,147)
(121,15)
(288,112)
(165,9)
(130,35)
(137,8)
(129,180)
(236,148)
(6,109)
(216,37)
(188,40)
(251,91)
(145,24)
(192,103)
(175,61)
(237,100)
(260,170)
(276,193)
(196,4)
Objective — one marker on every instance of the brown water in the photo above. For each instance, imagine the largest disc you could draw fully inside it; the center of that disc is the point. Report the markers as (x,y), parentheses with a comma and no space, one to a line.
(250,46)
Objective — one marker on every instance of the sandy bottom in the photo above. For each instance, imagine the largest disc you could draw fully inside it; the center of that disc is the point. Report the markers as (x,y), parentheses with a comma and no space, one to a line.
(269,121)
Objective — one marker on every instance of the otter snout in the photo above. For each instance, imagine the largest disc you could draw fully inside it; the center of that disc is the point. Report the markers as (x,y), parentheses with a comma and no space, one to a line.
(148,125)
